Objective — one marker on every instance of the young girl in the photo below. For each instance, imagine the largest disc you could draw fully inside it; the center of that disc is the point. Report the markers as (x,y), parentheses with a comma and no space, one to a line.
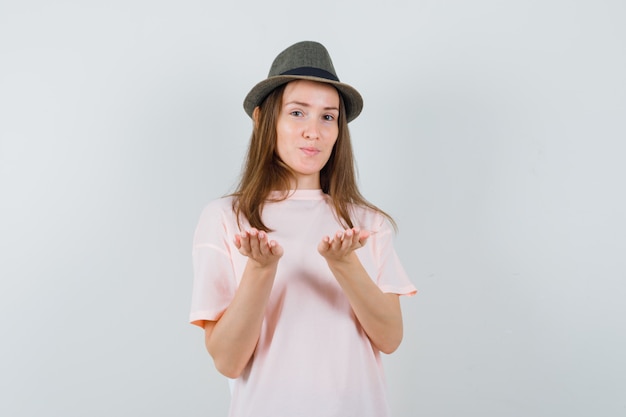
(296,280)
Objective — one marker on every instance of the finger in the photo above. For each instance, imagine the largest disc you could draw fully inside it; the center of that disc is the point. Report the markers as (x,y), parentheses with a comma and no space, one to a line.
(322,247)
(354,235)
(264,247)
(337,241)
(244,240)
(363,236)
(346,242)
(255,250)
(275,248)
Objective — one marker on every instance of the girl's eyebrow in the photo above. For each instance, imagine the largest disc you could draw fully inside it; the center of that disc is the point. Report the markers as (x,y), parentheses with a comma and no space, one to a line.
(302,104)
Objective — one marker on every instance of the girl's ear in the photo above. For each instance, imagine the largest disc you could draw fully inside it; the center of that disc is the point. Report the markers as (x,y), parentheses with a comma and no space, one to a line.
(255,115)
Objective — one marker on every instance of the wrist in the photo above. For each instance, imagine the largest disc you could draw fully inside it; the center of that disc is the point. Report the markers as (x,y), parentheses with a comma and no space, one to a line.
(345,262)
(261,269)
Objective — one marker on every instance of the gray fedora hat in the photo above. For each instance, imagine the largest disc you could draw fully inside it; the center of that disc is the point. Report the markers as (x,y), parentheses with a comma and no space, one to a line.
(304,61)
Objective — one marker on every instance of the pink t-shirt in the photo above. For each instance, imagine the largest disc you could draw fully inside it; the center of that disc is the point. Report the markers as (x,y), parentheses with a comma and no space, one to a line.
(313,358)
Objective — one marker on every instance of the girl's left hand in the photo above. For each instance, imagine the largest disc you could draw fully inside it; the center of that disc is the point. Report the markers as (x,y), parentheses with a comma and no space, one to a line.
(340,246)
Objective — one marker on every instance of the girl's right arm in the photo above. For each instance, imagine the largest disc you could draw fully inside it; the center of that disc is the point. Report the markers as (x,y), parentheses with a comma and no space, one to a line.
(231,339)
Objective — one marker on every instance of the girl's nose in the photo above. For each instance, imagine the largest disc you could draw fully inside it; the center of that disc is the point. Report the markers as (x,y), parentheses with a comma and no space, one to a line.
(311,130)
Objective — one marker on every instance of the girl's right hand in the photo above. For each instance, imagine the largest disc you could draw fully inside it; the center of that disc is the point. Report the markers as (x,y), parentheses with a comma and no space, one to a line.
(257,247)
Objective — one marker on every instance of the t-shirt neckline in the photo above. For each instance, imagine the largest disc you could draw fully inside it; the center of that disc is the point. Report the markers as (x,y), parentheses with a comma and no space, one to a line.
(299,194)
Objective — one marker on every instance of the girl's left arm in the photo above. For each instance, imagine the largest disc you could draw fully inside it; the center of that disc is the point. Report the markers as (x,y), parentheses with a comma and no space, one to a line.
(378,313)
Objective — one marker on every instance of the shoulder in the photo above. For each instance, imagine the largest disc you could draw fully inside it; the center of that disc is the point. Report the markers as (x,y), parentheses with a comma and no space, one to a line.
(217,211)
(369,219)
(219,205)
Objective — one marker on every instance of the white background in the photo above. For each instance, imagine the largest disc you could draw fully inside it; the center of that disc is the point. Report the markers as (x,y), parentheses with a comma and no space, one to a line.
(493,131)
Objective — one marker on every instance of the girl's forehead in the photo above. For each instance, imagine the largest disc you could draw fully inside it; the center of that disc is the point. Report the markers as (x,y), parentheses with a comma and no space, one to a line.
(311,90)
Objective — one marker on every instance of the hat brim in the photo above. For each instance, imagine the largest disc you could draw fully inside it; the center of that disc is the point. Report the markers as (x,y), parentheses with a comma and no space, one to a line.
(351,98)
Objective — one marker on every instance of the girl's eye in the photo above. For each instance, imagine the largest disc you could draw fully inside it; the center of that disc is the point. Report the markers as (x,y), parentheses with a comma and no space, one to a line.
(296,113)
(329,117)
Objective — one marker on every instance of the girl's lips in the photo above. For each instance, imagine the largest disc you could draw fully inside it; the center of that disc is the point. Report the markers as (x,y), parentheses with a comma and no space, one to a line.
(310,151)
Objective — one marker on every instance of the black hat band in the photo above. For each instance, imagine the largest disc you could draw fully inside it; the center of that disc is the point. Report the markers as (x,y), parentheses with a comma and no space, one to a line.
(311,72)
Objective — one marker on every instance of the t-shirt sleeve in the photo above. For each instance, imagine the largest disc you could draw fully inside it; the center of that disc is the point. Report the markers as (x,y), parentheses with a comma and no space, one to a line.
(214,281)
(391,276)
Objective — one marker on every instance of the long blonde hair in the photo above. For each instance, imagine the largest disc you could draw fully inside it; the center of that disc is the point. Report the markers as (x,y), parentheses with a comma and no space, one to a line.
(265,172)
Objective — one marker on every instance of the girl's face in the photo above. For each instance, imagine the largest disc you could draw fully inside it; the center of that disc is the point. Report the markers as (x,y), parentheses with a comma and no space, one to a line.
(307,129)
